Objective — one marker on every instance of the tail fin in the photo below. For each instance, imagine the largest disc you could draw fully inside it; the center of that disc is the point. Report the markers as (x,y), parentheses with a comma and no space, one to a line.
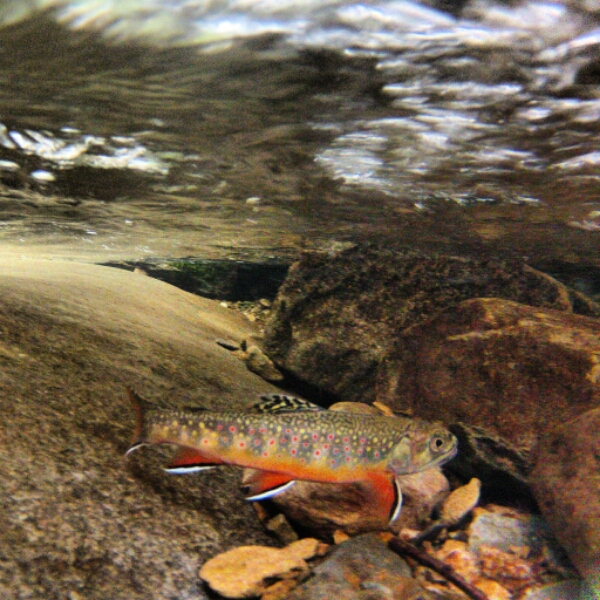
(140,406)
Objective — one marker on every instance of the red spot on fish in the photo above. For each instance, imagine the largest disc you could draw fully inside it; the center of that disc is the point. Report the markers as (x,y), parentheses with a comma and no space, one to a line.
(305,444)
(346,440)
(315,436)
(335,450)
(294,451)
(359,451)
(257,442)
(325,446)
(377,454)
(265,454)
(242,444)
(232,429)
(363,440)
(262,430)
(251,431)
(219,427)
(283,440)
(330,436)
(347,459)
(271,442)
(295,438)
(288,431)
(205,441)
(317,453)
(332,461)
(347,449)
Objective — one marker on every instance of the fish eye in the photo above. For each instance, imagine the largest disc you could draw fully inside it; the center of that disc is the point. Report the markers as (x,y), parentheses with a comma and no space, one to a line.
(437,443)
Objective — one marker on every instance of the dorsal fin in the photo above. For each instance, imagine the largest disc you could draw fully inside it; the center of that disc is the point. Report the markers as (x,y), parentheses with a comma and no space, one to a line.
(280,403)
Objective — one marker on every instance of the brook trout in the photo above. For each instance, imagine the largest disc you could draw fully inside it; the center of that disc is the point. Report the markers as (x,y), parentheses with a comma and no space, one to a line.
(287,439)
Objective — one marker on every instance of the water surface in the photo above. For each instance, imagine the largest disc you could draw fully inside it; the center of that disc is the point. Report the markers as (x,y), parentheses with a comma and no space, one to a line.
(251,130)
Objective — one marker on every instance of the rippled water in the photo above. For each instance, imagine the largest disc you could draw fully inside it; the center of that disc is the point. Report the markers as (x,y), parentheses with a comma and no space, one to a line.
(248,129)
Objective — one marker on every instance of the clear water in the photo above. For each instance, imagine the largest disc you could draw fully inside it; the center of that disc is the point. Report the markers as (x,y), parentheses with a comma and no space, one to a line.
(253,129)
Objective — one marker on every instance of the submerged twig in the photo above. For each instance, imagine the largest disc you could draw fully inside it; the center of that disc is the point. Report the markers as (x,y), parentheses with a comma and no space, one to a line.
(400,546)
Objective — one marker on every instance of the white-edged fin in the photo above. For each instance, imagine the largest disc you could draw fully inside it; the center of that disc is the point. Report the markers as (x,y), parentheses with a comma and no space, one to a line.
(272,492)
(281,403)
(397,507)
(134,447)
(189,469)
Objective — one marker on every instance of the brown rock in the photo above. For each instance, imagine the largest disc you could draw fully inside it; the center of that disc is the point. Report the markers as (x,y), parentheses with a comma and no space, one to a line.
(363,568)
(258,362)
(492,589)
(75,517)
(511,368)
(499,565)
(566,483)
(456,554)
(246,571)
(279,590)
(336,316)
(460,502)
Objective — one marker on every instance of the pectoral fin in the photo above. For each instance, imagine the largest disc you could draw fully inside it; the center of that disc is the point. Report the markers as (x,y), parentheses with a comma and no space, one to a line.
(189,460)
(262,485)
(385,496)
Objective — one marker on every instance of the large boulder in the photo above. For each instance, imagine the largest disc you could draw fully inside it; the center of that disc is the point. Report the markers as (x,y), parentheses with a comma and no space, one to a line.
(337,316)
(77,520)
(566,482)
(516,370)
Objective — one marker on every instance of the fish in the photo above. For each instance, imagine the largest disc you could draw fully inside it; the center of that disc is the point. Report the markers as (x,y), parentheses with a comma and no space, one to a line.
(285,439)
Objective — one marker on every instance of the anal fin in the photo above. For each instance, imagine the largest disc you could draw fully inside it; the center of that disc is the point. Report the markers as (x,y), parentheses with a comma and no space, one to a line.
(262,485)
(189,460)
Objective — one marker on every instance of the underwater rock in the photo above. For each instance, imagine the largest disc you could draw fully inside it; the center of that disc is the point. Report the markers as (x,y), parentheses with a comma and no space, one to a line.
(336,316)
(566,483)
(573,589)
(76,519)
(460,502)
(361,568)
(258,362)
(247,571)
(505,532)
(513,369)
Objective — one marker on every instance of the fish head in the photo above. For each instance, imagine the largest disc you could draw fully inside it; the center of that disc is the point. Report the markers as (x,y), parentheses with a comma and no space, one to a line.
(422,447)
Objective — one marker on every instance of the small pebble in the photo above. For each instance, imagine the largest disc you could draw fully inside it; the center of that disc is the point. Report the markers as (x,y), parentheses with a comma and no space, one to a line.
(340,536)
(247,571)
(461,502)
(228,344)
(258,362)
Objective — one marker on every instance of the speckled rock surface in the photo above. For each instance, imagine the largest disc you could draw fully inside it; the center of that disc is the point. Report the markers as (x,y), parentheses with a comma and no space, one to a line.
(336,316)
(513,369)
(77,520)
(361,568)
(566,483)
